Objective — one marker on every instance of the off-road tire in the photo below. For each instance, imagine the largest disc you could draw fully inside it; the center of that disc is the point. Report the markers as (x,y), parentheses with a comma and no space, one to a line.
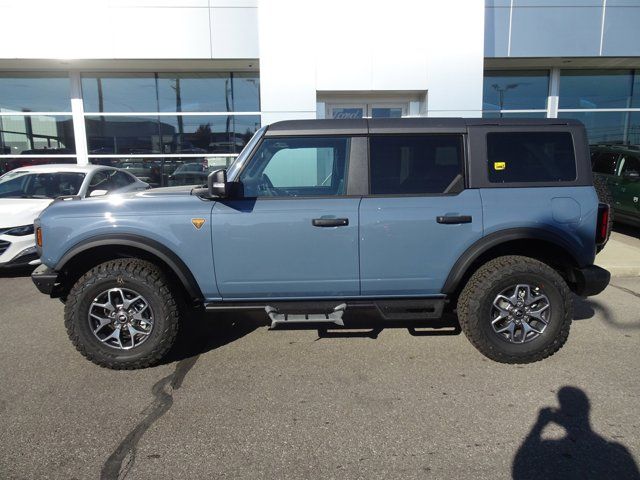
(604,196)
(141,276)
(475,301)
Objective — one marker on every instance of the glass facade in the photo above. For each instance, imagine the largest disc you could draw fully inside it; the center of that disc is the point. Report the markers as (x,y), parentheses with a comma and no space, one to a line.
(515,90)
(606,101)
(170,128)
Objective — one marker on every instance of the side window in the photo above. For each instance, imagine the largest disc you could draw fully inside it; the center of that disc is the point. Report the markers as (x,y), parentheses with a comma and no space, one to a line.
(99,181)
(121,179)
(523,157)
(414,164)
(629,165)
(298,166)
(604,162)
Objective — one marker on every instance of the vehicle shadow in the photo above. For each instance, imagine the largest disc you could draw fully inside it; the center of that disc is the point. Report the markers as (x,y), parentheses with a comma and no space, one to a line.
(580,454)
(625,229)
(15,272)
(584,309)
(201,332)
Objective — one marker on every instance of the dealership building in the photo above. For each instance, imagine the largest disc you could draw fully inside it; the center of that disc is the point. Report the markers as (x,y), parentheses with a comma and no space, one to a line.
(152,85)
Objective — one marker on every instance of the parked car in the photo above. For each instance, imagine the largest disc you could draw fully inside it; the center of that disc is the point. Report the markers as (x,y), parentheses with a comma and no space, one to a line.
(497,219)
(618,167)
(26,191)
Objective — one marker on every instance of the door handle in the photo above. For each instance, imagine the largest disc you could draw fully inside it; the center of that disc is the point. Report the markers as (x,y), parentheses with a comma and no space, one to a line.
(453,219)
(330,222)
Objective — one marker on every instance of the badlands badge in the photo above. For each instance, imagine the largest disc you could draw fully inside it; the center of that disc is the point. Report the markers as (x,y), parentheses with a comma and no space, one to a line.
(197,222)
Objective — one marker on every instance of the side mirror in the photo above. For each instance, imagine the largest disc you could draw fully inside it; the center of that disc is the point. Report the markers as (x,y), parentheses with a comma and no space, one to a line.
(98,193)
(217,184)
(631,175)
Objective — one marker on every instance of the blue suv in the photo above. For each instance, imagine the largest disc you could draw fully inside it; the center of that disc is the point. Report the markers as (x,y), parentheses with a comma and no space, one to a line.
(495,219)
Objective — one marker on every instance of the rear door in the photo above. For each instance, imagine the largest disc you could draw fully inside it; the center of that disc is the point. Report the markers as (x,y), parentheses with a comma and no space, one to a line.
(418,218)
(294,233)
(627,190)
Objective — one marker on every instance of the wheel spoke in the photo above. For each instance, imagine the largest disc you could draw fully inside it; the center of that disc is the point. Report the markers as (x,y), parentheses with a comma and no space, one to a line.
(115,335)
(128,303)
(537,314)
(102,322)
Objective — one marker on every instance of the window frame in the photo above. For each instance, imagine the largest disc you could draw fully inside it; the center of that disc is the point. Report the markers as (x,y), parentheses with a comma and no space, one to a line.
(463,165)
(478,160)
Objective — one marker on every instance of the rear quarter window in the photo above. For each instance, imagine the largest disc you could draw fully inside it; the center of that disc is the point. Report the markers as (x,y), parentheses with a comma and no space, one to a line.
(527,157)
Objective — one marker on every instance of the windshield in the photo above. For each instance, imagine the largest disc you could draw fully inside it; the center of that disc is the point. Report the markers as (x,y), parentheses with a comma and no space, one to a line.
(25,184)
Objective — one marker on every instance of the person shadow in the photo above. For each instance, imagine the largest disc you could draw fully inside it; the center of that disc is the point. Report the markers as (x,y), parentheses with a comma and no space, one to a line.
(580,454)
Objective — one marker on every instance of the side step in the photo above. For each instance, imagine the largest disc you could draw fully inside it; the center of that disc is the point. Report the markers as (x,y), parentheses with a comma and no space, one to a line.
(279,318)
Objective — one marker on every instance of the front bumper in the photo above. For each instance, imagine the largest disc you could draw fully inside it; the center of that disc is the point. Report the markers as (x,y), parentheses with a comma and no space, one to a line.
(590,280)
(47,280)
(17,251)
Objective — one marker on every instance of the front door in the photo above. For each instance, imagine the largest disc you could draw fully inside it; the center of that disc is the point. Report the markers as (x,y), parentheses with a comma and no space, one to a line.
(294,233)
(418,219)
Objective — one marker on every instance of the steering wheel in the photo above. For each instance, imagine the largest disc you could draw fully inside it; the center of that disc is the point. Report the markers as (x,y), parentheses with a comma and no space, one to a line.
(266,185)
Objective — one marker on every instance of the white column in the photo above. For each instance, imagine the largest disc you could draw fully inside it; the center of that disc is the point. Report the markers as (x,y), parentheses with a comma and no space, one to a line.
(77,112)
(554,92)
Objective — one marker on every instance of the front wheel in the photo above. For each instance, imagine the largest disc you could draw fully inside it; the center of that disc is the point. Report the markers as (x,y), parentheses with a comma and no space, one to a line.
(516,309)
(122,314)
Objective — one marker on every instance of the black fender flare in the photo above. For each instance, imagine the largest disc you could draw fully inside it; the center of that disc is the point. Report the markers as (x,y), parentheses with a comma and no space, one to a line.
(471,254)
(153,247)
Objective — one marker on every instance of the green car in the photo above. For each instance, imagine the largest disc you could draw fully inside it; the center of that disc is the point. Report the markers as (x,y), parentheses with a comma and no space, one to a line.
(619,167)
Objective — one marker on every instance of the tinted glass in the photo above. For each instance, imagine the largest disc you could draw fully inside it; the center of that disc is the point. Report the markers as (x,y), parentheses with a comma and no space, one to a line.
(299,166)
(629,164)
(119,93)
(36,134)
(207,134)
(414,164)
(195,92)
(530,157)
(515,90)
(602,127)
(595,88)
(40,185)
(386,112)
(8,164)
(514,115)
(604,162)
(172,171)
(168,134)
(125,135)
(34,93)
(246,92)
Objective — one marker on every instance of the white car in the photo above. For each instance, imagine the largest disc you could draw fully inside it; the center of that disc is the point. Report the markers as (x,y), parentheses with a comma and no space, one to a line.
(27,191)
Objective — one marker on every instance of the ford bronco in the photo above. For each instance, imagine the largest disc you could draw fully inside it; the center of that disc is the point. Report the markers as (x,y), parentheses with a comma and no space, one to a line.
(497,220)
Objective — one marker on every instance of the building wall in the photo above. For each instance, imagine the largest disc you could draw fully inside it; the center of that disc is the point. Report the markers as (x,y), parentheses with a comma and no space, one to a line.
(562,28)
(126,29)
(361,46)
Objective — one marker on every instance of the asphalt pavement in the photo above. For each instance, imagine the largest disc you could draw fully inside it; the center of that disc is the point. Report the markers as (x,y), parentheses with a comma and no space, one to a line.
(236,400)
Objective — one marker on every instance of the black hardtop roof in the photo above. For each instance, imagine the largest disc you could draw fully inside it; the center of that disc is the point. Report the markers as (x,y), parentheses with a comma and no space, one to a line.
(403,125)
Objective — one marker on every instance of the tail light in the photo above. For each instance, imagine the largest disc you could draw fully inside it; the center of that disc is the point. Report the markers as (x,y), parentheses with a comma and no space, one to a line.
(602,227)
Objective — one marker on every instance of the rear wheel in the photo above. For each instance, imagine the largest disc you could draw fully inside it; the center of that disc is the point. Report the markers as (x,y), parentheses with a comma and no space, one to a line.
(122,314)
(516,309)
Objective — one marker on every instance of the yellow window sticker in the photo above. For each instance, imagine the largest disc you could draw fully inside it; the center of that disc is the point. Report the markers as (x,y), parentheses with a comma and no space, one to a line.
(499,165)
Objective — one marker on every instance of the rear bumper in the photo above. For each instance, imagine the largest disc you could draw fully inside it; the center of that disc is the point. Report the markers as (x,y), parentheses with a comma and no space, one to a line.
(46,280)
(591,280)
